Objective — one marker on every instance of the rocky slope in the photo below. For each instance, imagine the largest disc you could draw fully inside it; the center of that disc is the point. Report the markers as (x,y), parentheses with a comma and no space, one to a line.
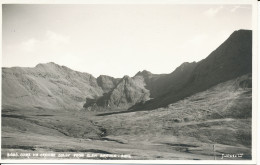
(107,83)
(125,94)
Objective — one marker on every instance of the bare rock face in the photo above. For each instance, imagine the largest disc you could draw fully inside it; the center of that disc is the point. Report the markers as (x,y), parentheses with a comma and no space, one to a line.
(127,93)
(47,85)
(107,83)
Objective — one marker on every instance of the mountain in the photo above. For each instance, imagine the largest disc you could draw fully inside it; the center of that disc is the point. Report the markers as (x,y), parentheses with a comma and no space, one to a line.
(161,84)
(221,114)
(58,87)
(231,59)
(180,115)
(47,86)
(125,94)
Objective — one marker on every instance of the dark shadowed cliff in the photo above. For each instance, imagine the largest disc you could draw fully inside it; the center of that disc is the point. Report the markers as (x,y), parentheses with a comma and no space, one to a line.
(231,59)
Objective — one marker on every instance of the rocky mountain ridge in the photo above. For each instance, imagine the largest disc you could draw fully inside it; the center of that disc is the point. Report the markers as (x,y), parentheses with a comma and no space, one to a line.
(58,87)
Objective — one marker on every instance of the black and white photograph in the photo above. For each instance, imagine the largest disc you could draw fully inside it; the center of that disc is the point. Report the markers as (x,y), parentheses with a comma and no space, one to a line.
(128,81)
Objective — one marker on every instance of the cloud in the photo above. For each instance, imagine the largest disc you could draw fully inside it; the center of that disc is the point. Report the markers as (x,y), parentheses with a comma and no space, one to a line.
(194,41)
(213,11)
(234,8)
(55,38)
(29,45)
(50,40)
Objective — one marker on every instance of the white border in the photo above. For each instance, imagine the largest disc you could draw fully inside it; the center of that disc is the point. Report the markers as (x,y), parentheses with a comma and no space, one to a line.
(128,1)
(254,80)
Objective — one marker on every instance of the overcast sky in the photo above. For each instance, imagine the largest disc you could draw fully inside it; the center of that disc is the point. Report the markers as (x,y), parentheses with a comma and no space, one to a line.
(117,40)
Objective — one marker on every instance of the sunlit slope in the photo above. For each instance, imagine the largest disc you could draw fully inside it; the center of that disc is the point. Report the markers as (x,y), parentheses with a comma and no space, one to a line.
(47,86)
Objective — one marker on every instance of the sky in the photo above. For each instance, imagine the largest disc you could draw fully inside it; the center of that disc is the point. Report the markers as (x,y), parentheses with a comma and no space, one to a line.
(117,40)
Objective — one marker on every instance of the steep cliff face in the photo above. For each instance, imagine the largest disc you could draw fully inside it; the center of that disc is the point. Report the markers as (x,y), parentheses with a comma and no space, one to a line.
(48,86)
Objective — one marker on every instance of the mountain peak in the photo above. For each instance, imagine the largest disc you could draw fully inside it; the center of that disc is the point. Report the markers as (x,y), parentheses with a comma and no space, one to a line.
(126,77)
(143,73)
(185,66)
(187,63)
(104,76)
(49,64)
(238,34)
(52,65)
(243,30)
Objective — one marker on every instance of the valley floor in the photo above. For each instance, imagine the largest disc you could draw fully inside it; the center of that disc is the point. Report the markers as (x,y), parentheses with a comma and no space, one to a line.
(42,132)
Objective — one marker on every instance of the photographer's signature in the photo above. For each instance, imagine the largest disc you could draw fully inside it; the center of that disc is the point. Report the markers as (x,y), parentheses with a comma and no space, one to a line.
(232,156)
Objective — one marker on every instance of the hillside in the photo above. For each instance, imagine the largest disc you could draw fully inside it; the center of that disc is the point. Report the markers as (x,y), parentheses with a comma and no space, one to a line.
(47,86)
(220,115)
(158,85)
(229,100)
(186,129)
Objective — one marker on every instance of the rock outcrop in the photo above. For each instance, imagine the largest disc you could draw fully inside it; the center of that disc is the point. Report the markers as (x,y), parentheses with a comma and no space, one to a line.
(127,93)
